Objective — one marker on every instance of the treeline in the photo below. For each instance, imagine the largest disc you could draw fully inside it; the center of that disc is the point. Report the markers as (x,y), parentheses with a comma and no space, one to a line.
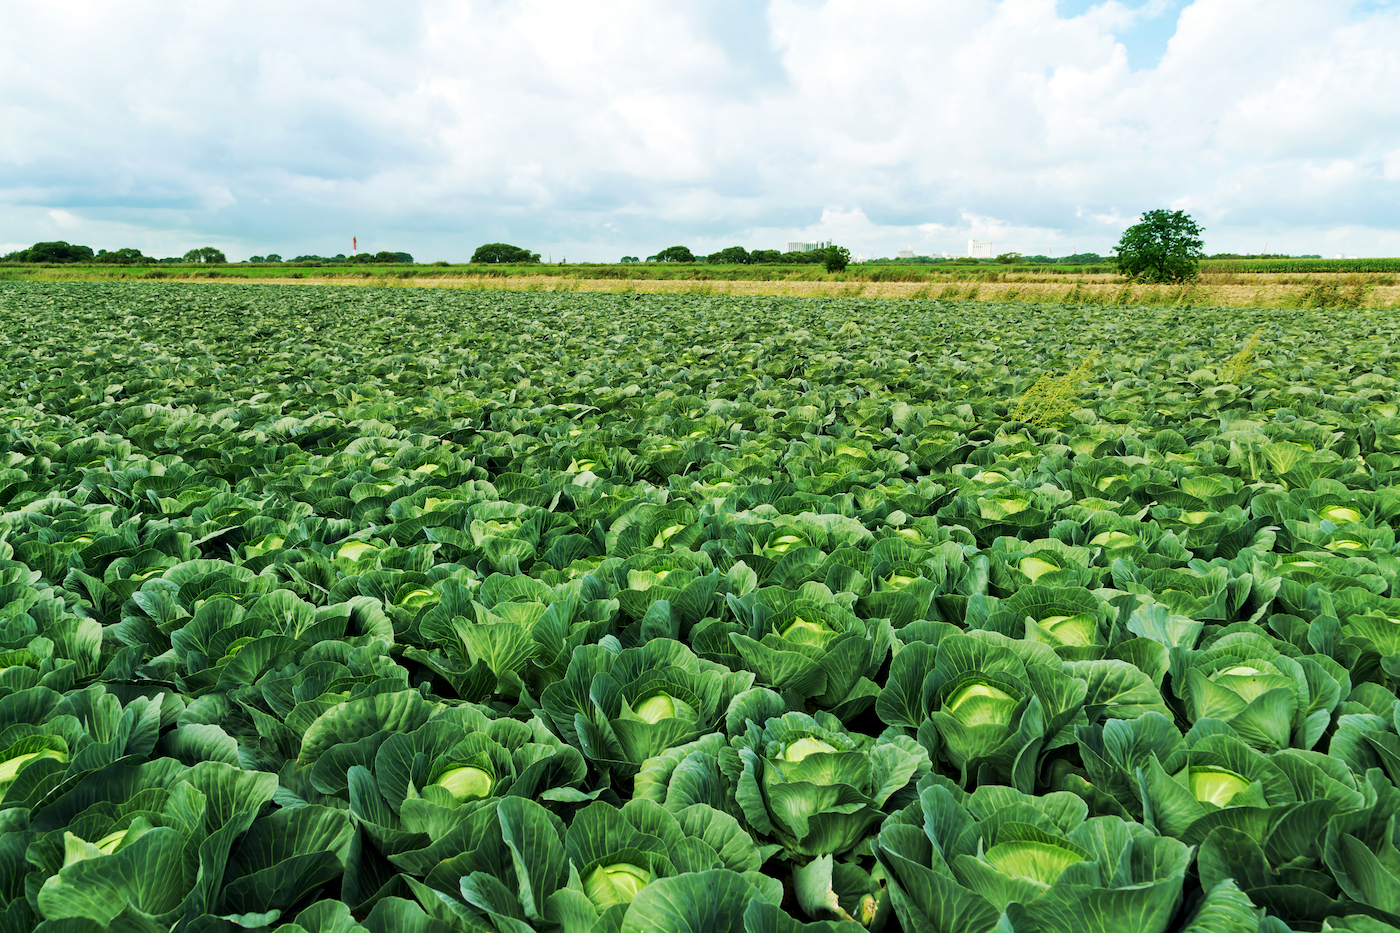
(734,255)
(1073,259)
(737,255)
(731,255)
(61,252)
(357,259)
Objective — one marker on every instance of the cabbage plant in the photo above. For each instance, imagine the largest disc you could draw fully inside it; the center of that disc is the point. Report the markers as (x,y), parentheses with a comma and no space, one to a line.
(996,704)
(1036,860)
(622,706)
(805,643)
(806,782)
(457,757)
(1272,700)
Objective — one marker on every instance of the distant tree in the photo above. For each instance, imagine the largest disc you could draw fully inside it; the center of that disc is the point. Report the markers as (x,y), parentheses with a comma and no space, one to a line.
(205,254)
(273,257)
(673,254)
(766,255)
(126,256)
(730,255)
(257,259)
(383,256)
(630,259)
(504,252)
(1164,247)
(836,258)
(56,251)
(1007,259)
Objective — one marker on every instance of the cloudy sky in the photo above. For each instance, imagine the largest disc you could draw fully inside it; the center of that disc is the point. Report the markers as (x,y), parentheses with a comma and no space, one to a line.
(591,129)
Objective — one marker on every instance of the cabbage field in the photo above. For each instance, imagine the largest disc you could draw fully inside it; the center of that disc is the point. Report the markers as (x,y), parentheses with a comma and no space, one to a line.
(339,610)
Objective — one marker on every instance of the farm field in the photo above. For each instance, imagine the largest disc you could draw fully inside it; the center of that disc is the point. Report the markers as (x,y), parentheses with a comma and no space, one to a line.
(441,609)
(1303,283)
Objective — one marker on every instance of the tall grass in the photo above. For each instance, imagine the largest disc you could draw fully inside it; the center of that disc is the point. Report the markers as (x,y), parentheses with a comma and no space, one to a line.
(1332,294)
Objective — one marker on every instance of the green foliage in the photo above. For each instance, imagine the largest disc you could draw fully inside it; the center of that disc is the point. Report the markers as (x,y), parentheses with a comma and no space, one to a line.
(730,255)
(737,255)
(1329,293)
(1302,264)
(503,252)
(126,256)
(1164,247)
(795,767)
(1050,399)
(810,257)
(312,259)
(836,258)
(673,254)
(57,251)
(381,257)
(205,254)
(355,609)
(630,259)
(1242,363)
(1008,259)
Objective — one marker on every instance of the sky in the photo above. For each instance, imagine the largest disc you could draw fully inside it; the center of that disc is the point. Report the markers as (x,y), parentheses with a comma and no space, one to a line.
(588,130)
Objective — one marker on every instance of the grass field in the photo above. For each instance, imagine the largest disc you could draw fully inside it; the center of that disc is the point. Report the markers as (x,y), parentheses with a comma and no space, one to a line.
(1236,283)
(458,610)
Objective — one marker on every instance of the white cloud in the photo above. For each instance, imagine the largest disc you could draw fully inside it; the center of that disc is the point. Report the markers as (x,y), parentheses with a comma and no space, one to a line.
(601,128)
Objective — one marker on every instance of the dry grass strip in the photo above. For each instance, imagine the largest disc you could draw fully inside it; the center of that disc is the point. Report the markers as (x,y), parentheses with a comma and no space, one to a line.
(1260,295)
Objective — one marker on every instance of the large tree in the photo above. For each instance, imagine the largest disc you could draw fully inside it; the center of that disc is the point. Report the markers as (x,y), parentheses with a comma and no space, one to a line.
(504,252)
(730,255)
(206,254)
(1165,246)
(836,258)
(673,254)
(56,251)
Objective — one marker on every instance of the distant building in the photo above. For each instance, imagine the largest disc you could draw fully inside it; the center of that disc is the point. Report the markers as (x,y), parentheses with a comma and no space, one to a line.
(907,253)
(806,246)
(979,249)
